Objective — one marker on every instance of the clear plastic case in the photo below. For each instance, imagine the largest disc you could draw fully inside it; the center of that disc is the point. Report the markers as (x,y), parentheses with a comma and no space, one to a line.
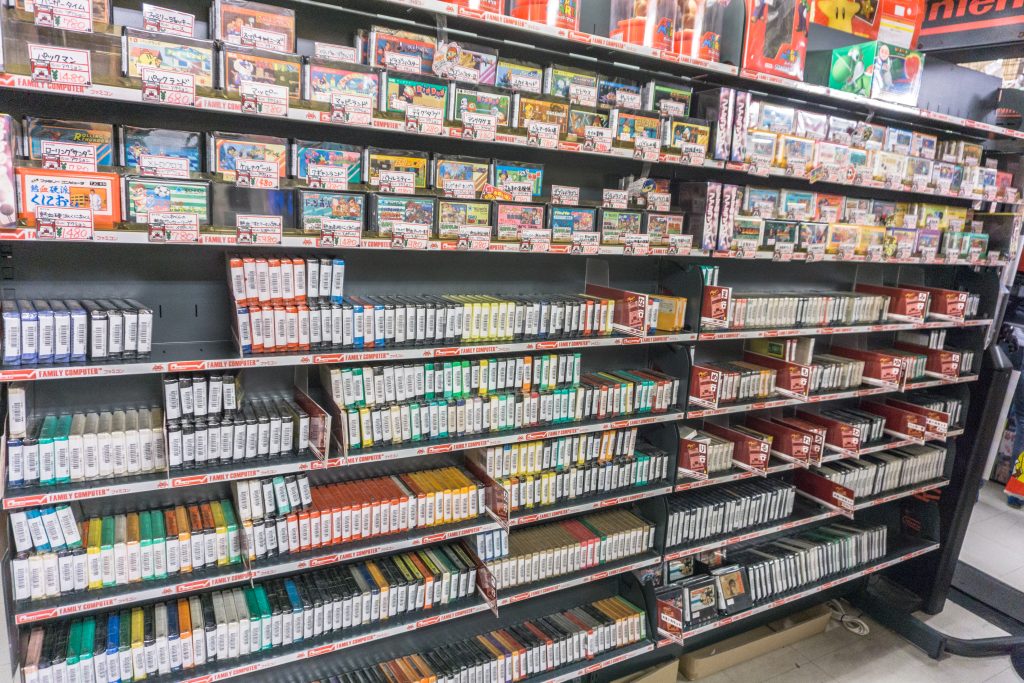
(559,13)
(651,23)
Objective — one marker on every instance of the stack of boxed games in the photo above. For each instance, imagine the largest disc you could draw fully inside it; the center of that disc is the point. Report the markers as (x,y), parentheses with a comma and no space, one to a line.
(878,473)
(287,515)
(60,551)
(541,473)
(211,423)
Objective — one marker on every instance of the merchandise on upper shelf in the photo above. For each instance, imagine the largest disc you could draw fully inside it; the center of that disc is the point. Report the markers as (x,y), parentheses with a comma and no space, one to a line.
(775,40)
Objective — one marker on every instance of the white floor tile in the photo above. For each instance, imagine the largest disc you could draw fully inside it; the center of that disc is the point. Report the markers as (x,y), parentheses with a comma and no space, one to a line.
(1014,579)
(1007,675)
(958,622)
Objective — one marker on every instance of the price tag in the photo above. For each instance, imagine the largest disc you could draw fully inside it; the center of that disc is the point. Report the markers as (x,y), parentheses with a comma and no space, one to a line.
(928,253)
(615,199)
(520,191)
(580,93)
(482,127)
(746,249)
(659,201)
(60,65)
(403,62)
(168,21)
(674,109)
(63,223)
(460,189)
(258,229)
(353,110)
(693,158)
(339,232)
(990,194)
(524,82)
(647,149)
(903,252)
(168,87)
(410,236)
(474,238)
(597,139)
(966,189)
(327,176)
(952,256)
(759,166)
(159,166)
(994,256)
(264,98)
(66,15)
(263,39)
(628,100)
(875,254)
(541,134)
(846,251)
(585,243)
(396,182)
(257,174)
(535,240)
(636,245)
(783,251)
(425,120)
(815,252)
(565,195)
(680,245)
(173,228)
(919,185)
(796,169)
(974,255)
(67,156)
(335,53)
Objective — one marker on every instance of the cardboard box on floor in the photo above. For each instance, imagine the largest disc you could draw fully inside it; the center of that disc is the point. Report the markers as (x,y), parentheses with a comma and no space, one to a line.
(754,643)
(662,673)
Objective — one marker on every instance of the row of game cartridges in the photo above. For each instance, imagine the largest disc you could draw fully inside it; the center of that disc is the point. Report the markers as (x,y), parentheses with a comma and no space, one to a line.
(567,546)
(560,453)
(715,512)
(369,385)
(380,321)
(202,394)
(877,473)
(742,381)
(870,426)
(811,309)
(600,396)
(226,625)
(76,447)
(518,652)
(262,426)
(952,405)
(806,558)
(703,597)
(490,545)
(57,553)
(719,450)
(67,331)
(285,280)
(343,512)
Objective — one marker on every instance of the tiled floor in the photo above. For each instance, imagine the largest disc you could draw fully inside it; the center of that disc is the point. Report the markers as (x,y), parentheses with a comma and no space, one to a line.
(994,544)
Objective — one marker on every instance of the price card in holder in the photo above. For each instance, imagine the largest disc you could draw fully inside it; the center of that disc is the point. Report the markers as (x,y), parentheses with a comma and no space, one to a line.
(257,174)
(474,238)
(615,199)
(60,65)
(542,134)
(258,229)
(520,191)
(327,176)
(759,165)
(481,127)
(63,223)
(168,87)
(338,232)
(264,98)
(460,189)
(353,110)
(396,182)
(410,236)
(564,195)
(815,252)
(585,243)
(660,201)
(535,240)
(425,120)
(66,15)
(647,149)
(597,139)
(159,166)
(168,21)
(680,245)
(67,156)
(628,100)
(636,245)
(783,251)
(875,253)
(173,228)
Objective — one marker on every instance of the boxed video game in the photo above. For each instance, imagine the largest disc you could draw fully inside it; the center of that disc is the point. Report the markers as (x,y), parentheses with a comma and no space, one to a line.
(99,192)
(898,140)
(761,201)
(519,76)
(143,196)
(390,210)
(240,65)
(774,118)
(716,106)
(667,100)
(225,149)
(229,201)
(627,126)
(142,49)
(480,100)
(810,125)
(775,39)
(798,205)
(608,90)
(503,172)
(878,70)
(161,142)
(511,218)
(253,24)
(400,91)
(689,136)
(316,205)
(566,220)
(924,145)
(581,117)
(616,223)
(376,160)
(574,85)
(660,225)
(322,80)
(100,135)
(453,214)
(841,130)
(541,108)
(306,152)
(459,61)
(445,168)
(401,50)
